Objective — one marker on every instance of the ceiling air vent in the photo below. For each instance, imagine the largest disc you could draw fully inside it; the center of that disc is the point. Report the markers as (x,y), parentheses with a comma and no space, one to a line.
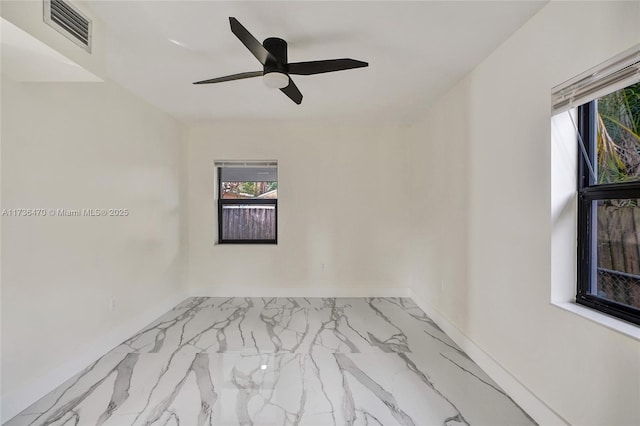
(69,21)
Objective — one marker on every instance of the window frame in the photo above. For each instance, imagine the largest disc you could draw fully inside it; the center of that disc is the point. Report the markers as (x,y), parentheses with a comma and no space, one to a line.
(588,193)
(244,201)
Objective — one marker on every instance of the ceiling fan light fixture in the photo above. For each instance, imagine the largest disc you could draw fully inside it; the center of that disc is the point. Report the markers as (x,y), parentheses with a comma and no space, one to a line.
(276,80)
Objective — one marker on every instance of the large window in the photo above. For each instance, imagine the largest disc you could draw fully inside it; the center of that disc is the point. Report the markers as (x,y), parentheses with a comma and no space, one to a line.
(247,203)
(609,204)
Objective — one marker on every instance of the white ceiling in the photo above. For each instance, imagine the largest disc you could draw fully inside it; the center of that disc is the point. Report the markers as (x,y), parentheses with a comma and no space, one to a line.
(416,52)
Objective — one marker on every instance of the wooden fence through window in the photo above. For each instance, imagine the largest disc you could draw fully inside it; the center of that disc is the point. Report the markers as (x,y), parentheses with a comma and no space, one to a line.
(619,254)
(249,222)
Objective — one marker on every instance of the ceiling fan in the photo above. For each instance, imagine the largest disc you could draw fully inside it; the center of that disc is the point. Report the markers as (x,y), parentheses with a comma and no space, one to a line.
(272,54)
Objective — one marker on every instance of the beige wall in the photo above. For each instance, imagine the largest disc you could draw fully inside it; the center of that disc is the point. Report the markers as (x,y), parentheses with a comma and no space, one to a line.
(341,204)
(74,146)
(485,263)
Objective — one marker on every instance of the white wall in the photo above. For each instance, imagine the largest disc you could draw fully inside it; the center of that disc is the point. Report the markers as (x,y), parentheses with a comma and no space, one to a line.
(74,146)
(341,203)
(486,145)
(81,146)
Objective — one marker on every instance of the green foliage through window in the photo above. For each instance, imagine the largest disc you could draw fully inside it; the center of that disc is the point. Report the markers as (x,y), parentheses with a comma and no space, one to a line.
(618,136)
(249,189)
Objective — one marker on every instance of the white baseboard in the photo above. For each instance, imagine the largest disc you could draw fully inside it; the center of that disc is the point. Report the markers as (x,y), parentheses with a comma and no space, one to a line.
(526,399)
(243,291)
(13,403)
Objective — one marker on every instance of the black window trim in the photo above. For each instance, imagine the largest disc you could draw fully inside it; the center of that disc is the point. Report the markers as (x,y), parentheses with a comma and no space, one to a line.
(244,201)
(588,192)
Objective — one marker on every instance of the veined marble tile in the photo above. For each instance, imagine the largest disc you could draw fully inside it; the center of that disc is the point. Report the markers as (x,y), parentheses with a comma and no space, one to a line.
(259,325)
(282,361)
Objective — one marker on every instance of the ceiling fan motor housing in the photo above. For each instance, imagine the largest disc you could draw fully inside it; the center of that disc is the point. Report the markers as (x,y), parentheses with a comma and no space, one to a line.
(278,48)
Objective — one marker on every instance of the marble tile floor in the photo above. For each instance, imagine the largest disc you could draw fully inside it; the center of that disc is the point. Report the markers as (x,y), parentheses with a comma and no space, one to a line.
(282,361)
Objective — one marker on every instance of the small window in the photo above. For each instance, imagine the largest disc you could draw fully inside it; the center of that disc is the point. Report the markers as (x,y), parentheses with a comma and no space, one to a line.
(609,204)
(248,203)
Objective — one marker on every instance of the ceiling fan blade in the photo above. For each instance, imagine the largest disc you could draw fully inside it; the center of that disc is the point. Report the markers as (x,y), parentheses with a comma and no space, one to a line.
(231,77)
(250,42)
(292,92)
(329,65)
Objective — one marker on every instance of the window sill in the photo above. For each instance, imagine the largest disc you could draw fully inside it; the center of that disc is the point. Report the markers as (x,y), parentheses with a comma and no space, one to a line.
(612,323)
(246,243)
